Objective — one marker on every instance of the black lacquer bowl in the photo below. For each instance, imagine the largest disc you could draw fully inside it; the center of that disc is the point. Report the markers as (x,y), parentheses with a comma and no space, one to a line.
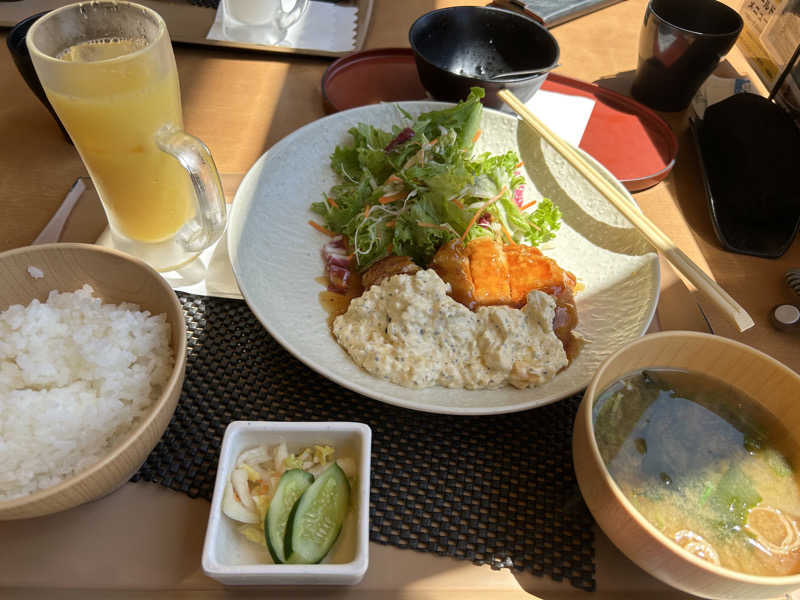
(465,46)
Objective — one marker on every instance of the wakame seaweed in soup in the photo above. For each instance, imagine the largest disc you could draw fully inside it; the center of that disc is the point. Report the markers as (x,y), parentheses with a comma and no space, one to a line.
(706,465)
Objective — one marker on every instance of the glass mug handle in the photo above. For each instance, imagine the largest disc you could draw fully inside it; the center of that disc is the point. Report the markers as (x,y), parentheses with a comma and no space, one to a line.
(208,223)
(290,17)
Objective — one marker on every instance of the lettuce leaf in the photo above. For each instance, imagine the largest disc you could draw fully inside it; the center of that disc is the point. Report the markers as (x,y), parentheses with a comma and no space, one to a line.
(410,190)
(732,498)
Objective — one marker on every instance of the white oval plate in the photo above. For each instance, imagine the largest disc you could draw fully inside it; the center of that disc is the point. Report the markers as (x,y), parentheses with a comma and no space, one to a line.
(276,258)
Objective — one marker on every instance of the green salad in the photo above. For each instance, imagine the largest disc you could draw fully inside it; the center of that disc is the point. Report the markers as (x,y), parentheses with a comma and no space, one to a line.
(409,191)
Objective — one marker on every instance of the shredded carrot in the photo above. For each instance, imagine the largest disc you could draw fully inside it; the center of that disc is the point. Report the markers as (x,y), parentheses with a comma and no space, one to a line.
(470,224)
(479,212)
(519,164)
(499,195)
(393,179)
(390,223)
(350,256)
(476,136)
(432,225)
(528,205)
(508,234)
(391,197)
(433,141)
(366,210)
(458,203)
(321,229)
(332,202)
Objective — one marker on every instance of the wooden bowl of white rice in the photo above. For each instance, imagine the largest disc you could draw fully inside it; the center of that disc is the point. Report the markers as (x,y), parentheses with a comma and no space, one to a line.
(92,360)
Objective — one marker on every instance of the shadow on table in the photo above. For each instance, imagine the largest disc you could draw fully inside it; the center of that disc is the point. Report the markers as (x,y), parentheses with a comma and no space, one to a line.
(620,83)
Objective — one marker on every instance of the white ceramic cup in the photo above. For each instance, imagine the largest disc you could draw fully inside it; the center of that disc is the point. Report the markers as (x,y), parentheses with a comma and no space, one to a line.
(260,21)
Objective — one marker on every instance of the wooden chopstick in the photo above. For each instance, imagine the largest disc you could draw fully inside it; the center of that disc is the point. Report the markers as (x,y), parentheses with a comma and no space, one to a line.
(710,288)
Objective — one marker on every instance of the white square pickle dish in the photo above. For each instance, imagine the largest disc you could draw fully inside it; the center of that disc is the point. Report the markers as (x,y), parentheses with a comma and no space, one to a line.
(232,559)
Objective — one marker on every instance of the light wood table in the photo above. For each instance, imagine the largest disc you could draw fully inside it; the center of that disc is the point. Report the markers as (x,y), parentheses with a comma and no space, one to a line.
(145,541)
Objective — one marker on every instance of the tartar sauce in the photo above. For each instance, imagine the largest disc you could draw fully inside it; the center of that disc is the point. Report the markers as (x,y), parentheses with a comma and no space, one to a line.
(409,331)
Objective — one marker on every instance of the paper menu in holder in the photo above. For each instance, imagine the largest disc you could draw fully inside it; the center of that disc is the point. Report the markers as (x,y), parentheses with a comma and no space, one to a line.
(770,42)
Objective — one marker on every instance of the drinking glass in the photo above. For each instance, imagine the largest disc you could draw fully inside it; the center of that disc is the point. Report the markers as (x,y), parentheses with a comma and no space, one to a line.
(262,21)
(109,72)
(680,44)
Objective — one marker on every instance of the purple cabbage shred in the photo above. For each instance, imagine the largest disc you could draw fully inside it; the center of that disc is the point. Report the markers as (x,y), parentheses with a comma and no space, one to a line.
(401,138)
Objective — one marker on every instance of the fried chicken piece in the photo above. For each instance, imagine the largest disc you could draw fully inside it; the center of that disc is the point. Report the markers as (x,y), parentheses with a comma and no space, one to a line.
(386,267)
(485,273)
(489,270)
(451,263)
(529,269)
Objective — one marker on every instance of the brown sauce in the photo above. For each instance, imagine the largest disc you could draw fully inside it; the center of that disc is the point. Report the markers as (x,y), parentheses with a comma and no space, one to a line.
(565,319)
(334,303)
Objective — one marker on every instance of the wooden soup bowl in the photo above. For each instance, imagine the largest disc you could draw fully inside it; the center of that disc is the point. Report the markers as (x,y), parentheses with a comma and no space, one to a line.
(767,381)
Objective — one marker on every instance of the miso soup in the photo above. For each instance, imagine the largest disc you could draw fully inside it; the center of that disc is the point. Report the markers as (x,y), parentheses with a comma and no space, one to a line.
(706,465)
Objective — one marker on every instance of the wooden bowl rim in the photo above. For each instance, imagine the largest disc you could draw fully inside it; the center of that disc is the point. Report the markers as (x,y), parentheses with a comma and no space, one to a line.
(175,378)
(649,529)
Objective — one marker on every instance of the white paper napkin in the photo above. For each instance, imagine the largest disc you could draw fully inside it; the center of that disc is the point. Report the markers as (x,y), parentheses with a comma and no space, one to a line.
(325,26)
(210,274)
(567,116)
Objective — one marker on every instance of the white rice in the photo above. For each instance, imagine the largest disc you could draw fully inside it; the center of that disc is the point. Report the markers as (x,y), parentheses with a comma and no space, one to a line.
(75,375)
(35,272)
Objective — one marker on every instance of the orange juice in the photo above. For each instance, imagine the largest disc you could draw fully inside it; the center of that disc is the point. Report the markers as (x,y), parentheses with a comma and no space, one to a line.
(108,69)
(113,115)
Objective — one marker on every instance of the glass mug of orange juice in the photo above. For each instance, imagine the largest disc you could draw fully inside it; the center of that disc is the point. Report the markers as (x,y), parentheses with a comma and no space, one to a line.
(109,72)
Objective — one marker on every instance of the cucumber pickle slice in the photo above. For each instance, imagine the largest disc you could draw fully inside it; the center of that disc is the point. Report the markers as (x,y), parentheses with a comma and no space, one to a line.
(290,488)
(318,517)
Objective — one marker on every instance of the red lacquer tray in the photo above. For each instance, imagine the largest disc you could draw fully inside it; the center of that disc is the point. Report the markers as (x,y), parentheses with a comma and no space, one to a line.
(629,139)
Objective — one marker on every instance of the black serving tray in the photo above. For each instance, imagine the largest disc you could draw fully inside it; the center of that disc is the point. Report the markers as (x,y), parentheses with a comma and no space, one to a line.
(753,198)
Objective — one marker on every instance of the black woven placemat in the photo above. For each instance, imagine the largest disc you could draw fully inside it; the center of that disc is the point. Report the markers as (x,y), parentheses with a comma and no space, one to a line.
(497,490)
(205,3)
